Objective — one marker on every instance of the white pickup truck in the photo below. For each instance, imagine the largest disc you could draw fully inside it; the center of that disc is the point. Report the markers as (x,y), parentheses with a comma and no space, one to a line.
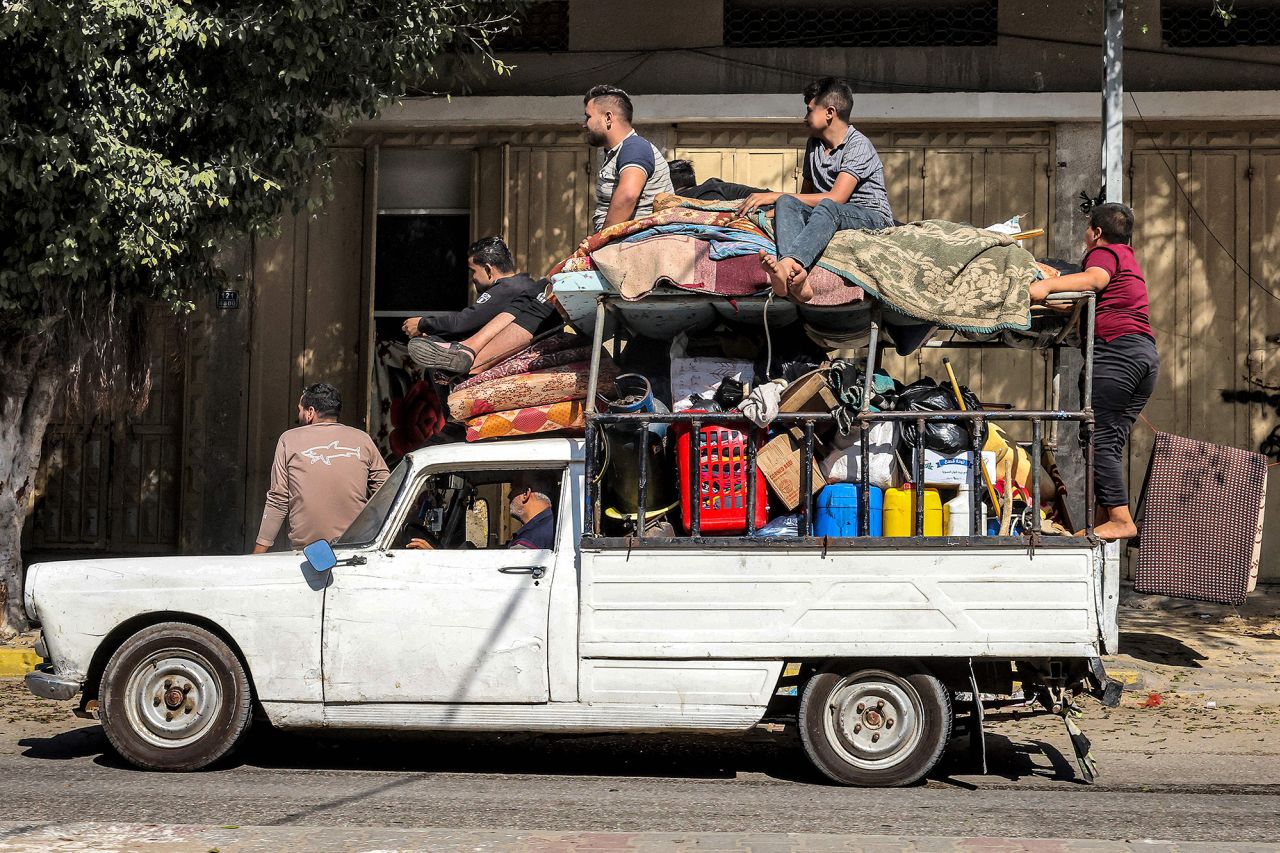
(864,645)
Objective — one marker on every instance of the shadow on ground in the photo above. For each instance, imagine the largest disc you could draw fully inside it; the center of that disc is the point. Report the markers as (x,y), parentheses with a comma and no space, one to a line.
(1006,759)
(1161,649)
(690,757)
(779,757)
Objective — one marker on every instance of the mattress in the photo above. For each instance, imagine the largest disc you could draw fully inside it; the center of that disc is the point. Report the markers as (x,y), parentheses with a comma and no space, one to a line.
(531,420)
(1200,521)
(524,390)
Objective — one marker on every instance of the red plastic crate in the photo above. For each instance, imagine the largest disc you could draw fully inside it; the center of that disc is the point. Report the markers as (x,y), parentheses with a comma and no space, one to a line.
(722,480)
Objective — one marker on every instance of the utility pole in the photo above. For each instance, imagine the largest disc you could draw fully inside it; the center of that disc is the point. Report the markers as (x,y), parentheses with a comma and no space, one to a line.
(1113,102)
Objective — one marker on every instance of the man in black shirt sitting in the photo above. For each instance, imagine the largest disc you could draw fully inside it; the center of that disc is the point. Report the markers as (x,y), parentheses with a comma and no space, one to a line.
(502,291)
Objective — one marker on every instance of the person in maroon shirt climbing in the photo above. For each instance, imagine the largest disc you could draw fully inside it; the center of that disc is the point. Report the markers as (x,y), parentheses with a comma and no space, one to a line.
(1125,362)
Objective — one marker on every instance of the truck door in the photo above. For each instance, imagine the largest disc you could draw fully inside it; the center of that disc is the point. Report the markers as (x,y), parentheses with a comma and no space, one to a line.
(454,611)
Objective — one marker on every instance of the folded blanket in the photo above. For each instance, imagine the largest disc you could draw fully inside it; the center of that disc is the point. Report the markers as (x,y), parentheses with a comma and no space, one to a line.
(675,215)
(553,385)
(726,241)
(548,352)
(634,269)
(956,276)
(742,276)
(529,421)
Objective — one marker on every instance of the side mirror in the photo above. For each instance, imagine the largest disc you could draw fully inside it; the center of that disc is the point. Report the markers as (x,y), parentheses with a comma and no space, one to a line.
(320,555)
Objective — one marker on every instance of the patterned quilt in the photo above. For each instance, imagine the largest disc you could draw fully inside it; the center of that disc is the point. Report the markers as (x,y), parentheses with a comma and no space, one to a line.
(956,276)
(554,417)
(553,385)
(580,259)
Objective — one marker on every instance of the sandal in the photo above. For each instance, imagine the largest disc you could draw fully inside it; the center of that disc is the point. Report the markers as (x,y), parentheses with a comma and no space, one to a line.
(455,358)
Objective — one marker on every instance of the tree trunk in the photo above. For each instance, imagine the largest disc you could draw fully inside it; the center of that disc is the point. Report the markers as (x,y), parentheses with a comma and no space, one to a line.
(34,373)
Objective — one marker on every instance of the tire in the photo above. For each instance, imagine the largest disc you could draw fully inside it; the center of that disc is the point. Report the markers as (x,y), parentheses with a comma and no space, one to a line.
(854,740)
(174,697)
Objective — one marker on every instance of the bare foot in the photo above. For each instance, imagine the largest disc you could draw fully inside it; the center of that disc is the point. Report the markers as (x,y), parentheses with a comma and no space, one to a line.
(1110,531)
(773,269)
(800,290)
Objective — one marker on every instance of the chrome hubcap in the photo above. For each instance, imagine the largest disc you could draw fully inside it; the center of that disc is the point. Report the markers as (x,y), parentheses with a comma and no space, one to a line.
(172,698)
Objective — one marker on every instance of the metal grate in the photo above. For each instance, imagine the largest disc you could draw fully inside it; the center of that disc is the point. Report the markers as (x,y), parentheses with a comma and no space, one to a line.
(1195,23)
(752,23)
(544,26)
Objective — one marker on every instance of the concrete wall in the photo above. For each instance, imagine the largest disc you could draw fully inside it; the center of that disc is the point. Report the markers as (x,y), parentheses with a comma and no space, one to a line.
(675,46)
(651,25)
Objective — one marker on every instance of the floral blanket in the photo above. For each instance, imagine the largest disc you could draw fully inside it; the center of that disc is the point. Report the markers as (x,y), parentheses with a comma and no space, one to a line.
(540,388)
(956,276)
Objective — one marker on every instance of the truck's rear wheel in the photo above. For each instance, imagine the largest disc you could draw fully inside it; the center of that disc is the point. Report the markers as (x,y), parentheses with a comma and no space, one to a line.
(174,697)
(874,727)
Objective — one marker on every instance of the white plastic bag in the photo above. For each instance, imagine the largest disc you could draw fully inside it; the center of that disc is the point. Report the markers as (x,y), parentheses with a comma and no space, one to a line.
(701,376)
(844,465)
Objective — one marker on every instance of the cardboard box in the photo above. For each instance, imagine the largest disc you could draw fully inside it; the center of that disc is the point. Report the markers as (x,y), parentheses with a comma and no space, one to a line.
(942,470)
(779,461)
(809,393)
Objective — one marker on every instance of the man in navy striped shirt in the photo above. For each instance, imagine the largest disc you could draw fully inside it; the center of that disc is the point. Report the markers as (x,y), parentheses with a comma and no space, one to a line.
(633,171)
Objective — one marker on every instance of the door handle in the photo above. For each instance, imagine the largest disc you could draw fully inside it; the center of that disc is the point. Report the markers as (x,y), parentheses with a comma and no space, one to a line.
(536,571)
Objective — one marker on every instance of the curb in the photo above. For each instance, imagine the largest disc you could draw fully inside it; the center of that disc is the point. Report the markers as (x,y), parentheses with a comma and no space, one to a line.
(15,663)
(1131,679)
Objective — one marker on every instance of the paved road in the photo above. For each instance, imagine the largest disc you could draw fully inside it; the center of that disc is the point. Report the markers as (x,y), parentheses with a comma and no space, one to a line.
(1187,776)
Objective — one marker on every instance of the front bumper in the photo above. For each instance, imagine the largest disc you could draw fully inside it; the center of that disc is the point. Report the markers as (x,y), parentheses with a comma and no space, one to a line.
(49,686)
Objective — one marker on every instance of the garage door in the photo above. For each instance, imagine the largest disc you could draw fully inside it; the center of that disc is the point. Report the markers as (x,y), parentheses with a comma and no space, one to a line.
(538,194)
(1205,207)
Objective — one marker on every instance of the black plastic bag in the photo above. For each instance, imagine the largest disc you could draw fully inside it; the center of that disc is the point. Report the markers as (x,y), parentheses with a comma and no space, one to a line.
(945,437)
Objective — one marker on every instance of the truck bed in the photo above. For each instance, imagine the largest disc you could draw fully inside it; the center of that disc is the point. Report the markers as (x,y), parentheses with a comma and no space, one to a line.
(753,600)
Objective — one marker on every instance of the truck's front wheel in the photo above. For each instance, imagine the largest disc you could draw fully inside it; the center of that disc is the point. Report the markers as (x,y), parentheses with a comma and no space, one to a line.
(874,727)
(174,697)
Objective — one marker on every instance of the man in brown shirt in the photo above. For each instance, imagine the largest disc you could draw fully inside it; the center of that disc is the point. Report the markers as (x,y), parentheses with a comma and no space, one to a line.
(322,476)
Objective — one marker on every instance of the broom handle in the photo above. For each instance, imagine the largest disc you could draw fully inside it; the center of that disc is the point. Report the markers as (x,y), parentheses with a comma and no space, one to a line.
(986,475)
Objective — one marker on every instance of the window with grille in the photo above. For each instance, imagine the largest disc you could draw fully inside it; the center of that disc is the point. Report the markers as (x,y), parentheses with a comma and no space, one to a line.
(923,23)
(543,26)
(1195,23)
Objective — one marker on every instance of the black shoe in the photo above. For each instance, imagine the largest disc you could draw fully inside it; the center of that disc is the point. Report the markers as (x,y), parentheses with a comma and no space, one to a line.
(455,358)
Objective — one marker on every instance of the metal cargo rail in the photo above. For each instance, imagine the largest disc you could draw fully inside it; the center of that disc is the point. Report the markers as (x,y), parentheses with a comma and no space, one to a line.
(597,422)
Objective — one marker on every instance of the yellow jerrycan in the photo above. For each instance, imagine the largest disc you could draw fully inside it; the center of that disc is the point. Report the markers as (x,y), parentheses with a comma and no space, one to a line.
(900,512)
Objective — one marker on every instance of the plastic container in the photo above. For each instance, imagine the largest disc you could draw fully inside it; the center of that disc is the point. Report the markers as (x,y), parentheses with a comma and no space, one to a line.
(900,512)
(836,510)
(955,514)
(722,481)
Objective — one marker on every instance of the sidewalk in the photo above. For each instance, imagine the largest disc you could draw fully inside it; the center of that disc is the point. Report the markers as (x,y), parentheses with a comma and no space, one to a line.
(1189,652)
(167,838)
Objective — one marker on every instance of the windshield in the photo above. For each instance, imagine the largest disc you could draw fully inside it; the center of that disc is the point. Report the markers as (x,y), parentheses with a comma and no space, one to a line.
(364,530)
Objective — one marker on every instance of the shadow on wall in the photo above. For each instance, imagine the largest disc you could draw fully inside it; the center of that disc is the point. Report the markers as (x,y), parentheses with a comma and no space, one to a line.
(1270,446)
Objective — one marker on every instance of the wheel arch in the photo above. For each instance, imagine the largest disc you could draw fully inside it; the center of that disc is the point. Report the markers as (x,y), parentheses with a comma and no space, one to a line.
(953,672)
(126,629)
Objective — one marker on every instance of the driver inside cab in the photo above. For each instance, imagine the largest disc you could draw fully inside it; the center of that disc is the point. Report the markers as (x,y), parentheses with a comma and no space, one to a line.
(532,509)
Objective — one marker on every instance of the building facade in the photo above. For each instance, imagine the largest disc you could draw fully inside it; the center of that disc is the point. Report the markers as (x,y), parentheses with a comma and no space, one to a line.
(981,110)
